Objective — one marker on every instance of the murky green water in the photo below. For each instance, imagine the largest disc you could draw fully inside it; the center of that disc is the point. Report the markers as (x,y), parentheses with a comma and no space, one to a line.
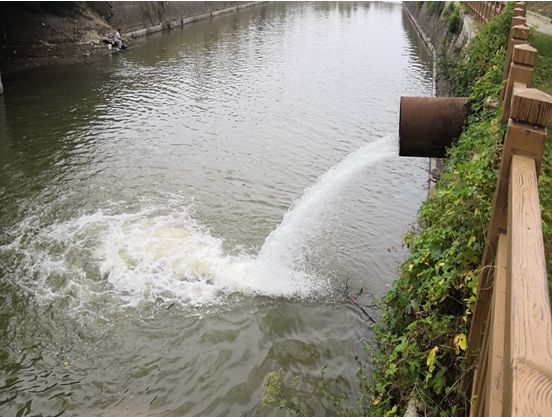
(146,266)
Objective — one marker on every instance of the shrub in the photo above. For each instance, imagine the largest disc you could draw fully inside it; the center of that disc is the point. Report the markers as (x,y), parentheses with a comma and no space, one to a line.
(477,56)
(425,321)
(435,7)
(454,21)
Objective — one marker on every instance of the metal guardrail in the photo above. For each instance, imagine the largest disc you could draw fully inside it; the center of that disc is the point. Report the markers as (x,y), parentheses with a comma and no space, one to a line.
(511,331)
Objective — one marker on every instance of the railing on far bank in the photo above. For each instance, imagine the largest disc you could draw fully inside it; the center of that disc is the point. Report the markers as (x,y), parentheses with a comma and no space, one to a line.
(511,331)
(485,10)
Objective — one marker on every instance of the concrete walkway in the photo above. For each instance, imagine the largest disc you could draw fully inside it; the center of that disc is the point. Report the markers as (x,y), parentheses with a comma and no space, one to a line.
(540,23)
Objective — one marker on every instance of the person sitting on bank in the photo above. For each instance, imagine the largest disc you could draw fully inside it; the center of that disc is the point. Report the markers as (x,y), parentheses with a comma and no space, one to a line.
(118,39)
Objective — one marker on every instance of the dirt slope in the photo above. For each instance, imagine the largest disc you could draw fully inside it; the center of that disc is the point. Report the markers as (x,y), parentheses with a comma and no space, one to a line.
(36,33)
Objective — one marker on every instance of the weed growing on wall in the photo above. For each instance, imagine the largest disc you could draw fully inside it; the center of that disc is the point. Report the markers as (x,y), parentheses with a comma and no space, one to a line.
(477,56)
(454,18)
(435,7)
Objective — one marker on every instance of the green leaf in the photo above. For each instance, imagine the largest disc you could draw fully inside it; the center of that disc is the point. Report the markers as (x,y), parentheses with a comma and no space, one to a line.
(431,358)
(460,342)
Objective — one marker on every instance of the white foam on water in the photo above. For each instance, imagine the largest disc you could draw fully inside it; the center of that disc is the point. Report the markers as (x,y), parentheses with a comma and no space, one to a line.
(172,257)
(162,254)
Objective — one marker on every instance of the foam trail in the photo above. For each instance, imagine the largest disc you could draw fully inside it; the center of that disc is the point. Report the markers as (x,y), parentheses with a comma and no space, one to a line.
(159,253)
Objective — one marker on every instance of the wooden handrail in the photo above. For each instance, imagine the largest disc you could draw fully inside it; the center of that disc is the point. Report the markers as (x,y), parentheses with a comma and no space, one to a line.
(485,10)
(528,353)
(522,67)
(511,332)
(510,337)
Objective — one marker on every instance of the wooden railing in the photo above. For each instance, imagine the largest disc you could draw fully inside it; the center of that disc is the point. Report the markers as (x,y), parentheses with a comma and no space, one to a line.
(510,342)
(485,10)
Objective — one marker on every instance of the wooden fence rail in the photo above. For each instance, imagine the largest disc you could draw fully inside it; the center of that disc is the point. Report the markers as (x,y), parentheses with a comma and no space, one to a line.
(485,10)
(510,338)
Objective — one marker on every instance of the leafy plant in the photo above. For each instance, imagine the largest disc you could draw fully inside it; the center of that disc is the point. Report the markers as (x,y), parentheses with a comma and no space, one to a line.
(435,7)
(426,315)
(454,21)
(477,56)
(281,395)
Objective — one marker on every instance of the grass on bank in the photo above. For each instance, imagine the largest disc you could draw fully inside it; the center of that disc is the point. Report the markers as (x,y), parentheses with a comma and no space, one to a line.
(423,331)
(422,336)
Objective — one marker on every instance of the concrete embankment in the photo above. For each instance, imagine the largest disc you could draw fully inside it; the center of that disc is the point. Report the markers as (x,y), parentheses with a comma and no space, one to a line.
(435,30)
(136,18)
(436,33)
(39,33)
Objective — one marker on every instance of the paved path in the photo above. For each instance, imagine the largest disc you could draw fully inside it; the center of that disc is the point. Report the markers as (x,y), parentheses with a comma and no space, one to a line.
(541,23)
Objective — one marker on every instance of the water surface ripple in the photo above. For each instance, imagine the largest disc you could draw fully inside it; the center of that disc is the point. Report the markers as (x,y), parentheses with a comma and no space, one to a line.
(180,219)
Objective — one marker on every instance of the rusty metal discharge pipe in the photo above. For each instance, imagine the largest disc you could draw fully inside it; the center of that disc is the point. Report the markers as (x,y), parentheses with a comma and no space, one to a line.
(428,125)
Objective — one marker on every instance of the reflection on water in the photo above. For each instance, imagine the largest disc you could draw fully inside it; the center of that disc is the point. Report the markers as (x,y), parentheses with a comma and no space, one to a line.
(148,266)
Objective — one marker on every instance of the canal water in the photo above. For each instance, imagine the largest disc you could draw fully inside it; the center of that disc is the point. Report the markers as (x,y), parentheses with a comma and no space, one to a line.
(181,219)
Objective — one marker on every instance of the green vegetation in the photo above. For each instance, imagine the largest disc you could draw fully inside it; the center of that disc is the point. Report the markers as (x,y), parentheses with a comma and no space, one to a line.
(454,18)
(422,336)
(425,322)
(543,74)
(424,326)
(280,395)
(477,57)
(435,7)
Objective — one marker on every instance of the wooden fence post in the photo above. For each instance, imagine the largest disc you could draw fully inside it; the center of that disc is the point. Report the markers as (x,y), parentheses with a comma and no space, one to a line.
(519,36)
(528,344)
(521,5)
(517,20)
(518,12)
(521,71)
(522,138)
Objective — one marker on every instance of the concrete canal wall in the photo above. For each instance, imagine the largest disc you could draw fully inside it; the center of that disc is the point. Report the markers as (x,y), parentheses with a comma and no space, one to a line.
(435,30)
(139,18)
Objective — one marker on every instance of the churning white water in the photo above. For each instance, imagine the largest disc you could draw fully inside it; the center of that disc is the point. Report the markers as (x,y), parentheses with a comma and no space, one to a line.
(162,254)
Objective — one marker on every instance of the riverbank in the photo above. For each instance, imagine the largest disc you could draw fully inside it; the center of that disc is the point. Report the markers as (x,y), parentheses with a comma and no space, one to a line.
(38,35)
(421,337)
(43,34)
(423,332)
(419,358)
